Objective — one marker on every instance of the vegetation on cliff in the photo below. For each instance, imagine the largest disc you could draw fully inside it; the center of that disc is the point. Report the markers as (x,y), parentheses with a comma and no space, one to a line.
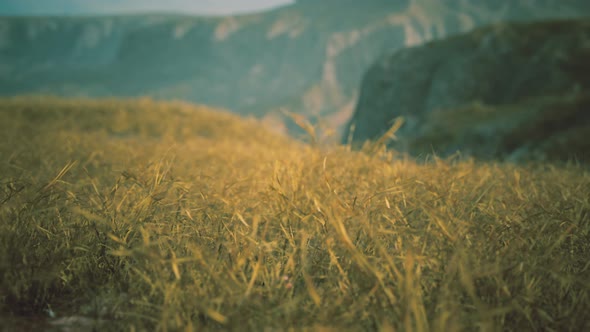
(510,90)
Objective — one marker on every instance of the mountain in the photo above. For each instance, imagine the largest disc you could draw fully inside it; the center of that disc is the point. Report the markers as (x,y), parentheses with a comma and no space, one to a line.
(516,91)
(307,57)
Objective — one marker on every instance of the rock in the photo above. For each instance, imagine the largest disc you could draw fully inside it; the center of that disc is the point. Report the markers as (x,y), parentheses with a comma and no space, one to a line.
(499,91)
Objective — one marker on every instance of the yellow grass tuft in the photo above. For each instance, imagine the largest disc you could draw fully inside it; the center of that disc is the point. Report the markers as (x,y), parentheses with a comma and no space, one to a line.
(139,215)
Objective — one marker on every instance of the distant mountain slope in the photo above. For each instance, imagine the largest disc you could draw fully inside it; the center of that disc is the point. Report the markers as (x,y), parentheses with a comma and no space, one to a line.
(515,91)
(307,57)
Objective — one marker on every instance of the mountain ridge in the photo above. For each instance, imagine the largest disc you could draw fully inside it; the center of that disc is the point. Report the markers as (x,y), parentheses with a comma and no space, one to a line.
(305,57)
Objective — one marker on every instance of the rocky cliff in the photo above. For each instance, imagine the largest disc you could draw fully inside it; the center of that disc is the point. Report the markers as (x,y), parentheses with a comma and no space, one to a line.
(511,90)
(307,57)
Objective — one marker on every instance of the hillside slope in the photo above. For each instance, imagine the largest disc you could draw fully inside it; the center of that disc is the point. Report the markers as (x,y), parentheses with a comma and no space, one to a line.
(134,214)
(513,91)
(307,57)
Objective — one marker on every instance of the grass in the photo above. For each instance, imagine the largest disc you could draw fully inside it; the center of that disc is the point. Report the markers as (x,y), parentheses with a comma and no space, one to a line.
(138,215)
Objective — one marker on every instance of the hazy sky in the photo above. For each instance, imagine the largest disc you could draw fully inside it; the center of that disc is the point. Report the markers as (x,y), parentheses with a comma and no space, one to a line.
(74,7)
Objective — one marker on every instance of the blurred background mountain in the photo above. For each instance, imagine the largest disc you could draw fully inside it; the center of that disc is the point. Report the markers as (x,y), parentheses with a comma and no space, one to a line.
(516,91)
(306,57)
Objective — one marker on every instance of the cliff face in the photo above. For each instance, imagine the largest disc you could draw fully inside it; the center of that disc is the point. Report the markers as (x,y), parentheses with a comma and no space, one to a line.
(516,91)
(307,57)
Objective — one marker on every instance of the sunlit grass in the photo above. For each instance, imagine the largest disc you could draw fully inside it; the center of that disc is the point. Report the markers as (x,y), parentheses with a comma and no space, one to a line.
(166,216)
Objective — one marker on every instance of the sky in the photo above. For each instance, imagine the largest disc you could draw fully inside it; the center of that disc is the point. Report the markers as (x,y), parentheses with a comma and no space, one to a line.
(90,7)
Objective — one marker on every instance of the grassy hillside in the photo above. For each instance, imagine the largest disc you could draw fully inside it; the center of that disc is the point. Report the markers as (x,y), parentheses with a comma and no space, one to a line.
(139,215)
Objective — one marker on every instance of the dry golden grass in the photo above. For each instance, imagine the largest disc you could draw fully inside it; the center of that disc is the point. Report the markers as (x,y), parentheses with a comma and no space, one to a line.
(137,215)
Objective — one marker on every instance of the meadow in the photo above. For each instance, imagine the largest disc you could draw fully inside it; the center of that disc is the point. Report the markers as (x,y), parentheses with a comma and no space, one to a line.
(137,215)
